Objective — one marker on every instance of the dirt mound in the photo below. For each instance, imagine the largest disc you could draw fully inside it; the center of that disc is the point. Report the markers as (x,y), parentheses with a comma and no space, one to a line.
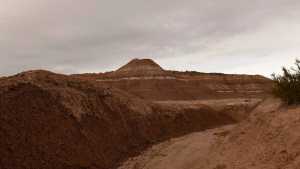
(51,121)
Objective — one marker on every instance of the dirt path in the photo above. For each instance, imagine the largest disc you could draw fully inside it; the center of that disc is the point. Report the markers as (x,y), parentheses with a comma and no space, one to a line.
(188,152)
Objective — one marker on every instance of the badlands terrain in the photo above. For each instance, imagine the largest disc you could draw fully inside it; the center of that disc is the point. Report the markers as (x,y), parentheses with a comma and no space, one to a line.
(144,117)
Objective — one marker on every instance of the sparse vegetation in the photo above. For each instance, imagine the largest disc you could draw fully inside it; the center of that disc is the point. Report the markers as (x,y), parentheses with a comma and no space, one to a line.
(287,85)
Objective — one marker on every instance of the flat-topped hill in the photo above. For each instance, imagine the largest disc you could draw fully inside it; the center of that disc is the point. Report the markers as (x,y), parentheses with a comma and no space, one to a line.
(148,80)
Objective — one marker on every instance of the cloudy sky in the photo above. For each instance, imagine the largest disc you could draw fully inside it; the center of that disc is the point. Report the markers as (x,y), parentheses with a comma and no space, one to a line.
(75,36)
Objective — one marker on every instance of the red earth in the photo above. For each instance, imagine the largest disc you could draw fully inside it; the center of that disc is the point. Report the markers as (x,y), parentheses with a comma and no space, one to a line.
(97,121)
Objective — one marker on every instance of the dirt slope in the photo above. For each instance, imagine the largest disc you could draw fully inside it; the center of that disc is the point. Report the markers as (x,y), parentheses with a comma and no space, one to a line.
(51,121)
(268,139)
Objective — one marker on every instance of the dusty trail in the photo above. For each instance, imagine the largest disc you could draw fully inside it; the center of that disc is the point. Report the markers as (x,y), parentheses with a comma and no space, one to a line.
(188,152)
(267,139)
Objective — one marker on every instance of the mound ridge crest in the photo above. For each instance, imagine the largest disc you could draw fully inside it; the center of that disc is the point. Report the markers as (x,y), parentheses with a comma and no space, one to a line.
(141,67)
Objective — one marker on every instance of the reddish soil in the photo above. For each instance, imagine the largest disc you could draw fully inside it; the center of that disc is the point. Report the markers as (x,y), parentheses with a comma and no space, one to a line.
(54,121)
(97,121)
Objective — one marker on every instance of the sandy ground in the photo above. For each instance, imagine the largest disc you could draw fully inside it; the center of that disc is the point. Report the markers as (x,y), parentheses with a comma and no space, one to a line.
(188,152)
(268,139)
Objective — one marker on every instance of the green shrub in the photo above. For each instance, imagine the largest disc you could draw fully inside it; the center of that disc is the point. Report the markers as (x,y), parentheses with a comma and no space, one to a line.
(287,85)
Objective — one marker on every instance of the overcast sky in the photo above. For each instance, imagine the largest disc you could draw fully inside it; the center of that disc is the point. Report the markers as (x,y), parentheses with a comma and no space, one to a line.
(75,36)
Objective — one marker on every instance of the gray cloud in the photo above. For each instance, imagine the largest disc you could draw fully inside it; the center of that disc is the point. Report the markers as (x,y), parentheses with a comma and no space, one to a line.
(72,36)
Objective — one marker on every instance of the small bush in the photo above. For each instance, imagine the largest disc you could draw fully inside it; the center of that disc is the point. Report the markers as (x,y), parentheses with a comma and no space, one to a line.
(287,85)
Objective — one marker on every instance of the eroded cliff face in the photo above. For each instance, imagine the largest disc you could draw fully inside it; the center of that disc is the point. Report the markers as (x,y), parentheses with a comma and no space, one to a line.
(54,121)
(198,88)
(147,80)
